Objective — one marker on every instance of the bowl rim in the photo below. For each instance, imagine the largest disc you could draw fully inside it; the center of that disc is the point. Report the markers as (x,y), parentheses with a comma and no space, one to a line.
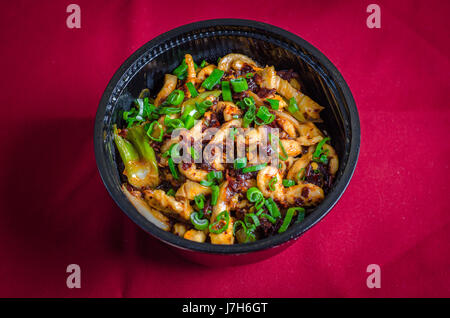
(293,232)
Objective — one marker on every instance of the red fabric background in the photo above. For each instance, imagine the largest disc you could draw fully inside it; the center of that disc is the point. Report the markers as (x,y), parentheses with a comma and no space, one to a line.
(55,210)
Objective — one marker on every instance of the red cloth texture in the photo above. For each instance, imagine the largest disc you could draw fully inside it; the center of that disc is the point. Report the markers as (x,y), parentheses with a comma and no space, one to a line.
(55,210)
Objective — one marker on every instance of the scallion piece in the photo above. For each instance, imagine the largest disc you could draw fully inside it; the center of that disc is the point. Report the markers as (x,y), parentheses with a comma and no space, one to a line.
(283,157)
(169,110)
(318,151)
(249,101)
(203,64)
(206,183)
(171,192)
(203,106)
(301,214)
(233,131)
(194,154)
(288,183)
(299,173)
(214,194)
(173,169)
(264,114)
(269,217)
(259,204)
(239,84)
(254,195)
(249,117)
(272,207)
(237,224)
(249,75)
(323,159)
(213,79)
(173,124)
(168,152)
(199,224)
(254,168)
(274,103)
(240,163)
(214,175)
(287,220)
(251,219)
(192,89)
(226,91)
(272,182)
(176,97)
(293,105)
(181,71)
(200,201)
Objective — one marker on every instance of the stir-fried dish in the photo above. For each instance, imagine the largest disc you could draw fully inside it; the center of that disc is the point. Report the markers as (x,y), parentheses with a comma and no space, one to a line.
(227,153)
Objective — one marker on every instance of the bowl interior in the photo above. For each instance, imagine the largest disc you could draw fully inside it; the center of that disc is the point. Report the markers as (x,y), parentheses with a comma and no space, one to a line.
(265,44)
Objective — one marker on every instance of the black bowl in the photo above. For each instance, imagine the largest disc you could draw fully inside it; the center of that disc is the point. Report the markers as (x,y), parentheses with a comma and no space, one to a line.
(210,40)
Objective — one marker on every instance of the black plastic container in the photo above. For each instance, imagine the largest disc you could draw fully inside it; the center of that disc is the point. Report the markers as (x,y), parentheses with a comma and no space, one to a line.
(210,40)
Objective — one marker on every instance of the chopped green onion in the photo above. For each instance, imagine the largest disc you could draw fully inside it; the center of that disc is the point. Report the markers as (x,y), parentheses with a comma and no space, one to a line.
(214,175)
(226,91)
(240,163)
(249,117)
(253,218)
(259,204)
(254,168)
(264,114)
(203,106)
(213,79)
(249,75)
(288,183)
(222,216)
(181,71)
(249,101)
(194,154)
(214,194)
(171,192)
(274,103)
(250,235)
(203,64)
(173,169)
(260,211)
(233,131)
(298,174)
(239,84)
(254,195)
(173,124)
(169,110)
(301,214)
(272,207)
(168,152)
(272,182)
(206,183)
(199,224)
(192,89)
(236,224)
(287,220)
(318,151)
(323,159)
(200,201)
(176,97)
(269,217)
(285,155)
(150,131)
(293,105)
